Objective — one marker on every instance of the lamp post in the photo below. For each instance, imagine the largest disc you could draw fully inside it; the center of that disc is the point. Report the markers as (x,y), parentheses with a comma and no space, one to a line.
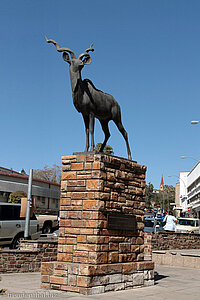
(28,205)
(178,177)
(183,157)
(195,122)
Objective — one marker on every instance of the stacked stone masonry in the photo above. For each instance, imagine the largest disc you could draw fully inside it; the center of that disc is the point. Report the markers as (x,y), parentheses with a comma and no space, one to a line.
(28,258)
(147,245)
(174,240)
(93,258)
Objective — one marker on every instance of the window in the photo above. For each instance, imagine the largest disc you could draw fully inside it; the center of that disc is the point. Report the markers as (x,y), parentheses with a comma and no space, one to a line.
(186,222)
(40,201)
(10,212)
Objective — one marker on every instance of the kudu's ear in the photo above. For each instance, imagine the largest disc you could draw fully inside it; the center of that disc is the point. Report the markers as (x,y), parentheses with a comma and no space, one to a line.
(66,57)
(86,59)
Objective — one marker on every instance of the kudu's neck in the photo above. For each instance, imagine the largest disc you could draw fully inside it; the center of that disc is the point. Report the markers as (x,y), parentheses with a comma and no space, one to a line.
(75,78)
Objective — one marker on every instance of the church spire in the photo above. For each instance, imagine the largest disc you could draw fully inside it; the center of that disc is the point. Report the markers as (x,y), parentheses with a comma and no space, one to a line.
(162,184)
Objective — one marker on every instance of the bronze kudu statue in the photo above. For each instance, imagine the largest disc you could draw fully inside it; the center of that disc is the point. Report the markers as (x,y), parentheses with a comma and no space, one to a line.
(89,101)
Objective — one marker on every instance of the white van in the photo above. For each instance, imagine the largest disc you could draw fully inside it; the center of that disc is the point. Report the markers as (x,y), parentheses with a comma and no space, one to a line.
(187,225)
(12,226)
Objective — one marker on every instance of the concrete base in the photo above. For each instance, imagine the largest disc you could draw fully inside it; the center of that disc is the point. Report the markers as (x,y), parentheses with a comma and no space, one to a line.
(93,279)
(180,258)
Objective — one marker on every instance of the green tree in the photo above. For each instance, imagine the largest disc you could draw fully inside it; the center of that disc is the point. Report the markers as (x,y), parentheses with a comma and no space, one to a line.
(169,196)
(52,174)
(157,198)
(149,195)
(15,197)
(107,150)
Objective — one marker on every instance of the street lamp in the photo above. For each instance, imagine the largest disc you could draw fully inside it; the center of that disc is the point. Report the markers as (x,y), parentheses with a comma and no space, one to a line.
(195,122)
(178,177)
(183,157)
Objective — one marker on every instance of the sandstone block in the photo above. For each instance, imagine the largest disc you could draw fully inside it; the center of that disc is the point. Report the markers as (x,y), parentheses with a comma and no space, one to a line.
(68,175)
(113,257)
(73,268)
(148,282)
(70,288)
(129,267)
(99,280)
(72,280)
(138,279)
(60,265)
(47,268)
(96,165)
(45,286)
(124,247)
(113,246)
(44,279)
(115,278)
(90,204)
(114,287)
(64,257)
(94,184)
(96,290)
(60,273)
(80,157)
(58,280)
(77,166)
(74,214)
(81,238)
(83,281)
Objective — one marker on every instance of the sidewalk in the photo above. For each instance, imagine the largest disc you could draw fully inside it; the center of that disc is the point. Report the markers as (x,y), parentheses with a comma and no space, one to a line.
(171,283)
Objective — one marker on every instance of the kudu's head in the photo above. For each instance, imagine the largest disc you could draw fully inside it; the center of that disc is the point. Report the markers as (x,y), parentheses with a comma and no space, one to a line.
(76,64)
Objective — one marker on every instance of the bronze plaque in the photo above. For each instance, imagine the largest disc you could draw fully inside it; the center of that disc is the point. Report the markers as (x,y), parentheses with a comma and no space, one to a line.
(121,221)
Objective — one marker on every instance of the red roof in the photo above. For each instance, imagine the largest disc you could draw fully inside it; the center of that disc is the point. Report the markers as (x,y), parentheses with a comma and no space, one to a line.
(26,177)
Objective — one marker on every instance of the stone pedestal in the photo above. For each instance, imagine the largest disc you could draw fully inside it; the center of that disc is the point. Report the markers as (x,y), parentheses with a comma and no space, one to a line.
(101,241)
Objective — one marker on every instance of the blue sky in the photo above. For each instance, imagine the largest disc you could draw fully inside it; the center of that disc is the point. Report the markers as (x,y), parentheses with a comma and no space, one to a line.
(147,55)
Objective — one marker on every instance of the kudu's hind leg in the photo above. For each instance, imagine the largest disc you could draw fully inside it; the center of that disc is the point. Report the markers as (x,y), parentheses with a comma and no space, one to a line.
(86,121)
(125,135)
(104,125)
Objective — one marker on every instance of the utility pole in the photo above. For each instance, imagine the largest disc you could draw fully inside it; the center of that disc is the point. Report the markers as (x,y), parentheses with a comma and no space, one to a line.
(28,205)
(168,195)
(163,204)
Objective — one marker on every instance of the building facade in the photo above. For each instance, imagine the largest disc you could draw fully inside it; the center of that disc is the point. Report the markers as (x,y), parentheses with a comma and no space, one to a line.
(193,190)
(45,193)
(177,206)
(181,203)
(183,192)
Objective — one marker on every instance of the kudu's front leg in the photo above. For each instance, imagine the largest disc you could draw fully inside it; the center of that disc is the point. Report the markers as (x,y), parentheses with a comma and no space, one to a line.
(87,122)
(104,125)
(92,131)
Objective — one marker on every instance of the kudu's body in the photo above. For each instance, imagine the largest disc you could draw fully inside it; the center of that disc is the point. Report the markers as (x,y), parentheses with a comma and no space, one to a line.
(91,102)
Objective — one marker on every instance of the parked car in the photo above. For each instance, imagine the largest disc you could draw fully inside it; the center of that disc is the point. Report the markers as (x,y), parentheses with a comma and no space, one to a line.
(159,216)
(54,236)
(48,222)
(149,224)
(12,225)
(187,225)
(148,216)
